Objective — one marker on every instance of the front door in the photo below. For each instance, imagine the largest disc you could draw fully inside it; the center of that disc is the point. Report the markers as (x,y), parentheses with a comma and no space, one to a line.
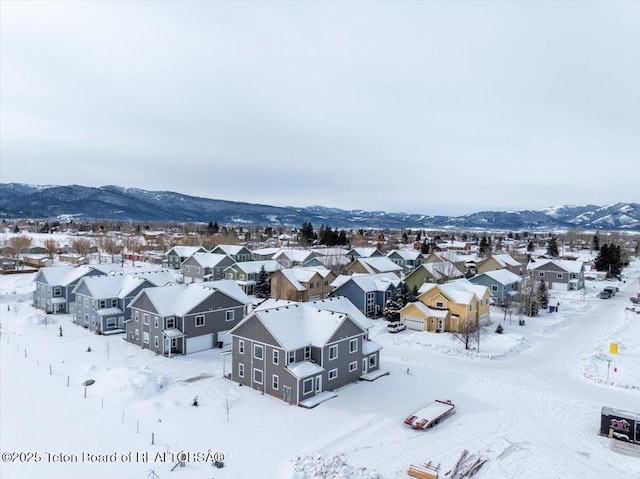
(286,393)
(365,366)
(441,324)
(318,384)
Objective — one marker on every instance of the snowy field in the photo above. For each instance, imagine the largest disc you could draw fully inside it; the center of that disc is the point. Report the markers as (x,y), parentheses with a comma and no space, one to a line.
(528,401)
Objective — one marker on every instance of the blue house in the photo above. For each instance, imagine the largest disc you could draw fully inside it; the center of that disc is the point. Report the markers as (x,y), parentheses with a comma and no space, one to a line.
(501,282)
(368,292)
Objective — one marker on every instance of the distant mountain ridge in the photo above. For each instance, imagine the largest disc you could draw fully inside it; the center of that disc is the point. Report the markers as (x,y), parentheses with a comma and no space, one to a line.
(132,204)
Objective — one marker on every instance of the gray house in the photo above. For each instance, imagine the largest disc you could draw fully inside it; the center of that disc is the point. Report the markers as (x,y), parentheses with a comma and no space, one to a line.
(178,254)
(368,292)
(102,301)
(407,258)
(558,274)
(205,267)
(237,252)
(186,318)
(502,283)
(55,284)
(296,351)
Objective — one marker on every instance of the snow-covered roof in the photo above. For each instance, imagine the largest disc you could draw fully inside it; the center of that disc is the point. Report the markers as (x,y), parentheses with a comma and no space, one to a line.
(66,275)
(184,251)
(502,276)
(427,311)
(208,260)
(265,251)
(253,267)
(230,249)
(567,265)
(378,264)
(506,260)
(406,254)
(303,369)
(172,333)
(299,275)
(364,252)
(441,269)
(369,282)
(340,304)
(109,311)
(370,347)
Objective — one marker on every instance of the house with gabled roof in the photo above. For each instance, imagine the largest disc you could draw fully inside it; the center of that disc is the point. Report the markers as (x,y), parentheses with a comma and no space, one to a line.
(364,252)
(374,265)
(298,352)
(246,273)
(205,267)
(432,272)
(368,292)
(302,283)
(176,255)
(55,284)
(290,258)
(238,253)
(263,254)
(502,283)
(185,318)
(558,274)
(102,301)
(447,307)
(500,261)
(406,258)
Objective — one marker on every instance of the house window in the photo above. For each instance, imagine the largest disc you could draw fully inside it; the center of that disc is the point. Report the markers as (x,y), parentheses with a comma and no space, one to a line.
(471,307)
(353,345)
(171,322)
(241,370)
(241,276)
(333,352)
(111,322)
(93,304)
(114,303)
(432,321)
(494,288)
(257,376)
(186,269)
(155,341)
(559,275)
(333,374)
(318,284)
(137,335)
(276,356)
(574,276)
(326,282)
(258,351)
(439,304)
(311,285)
(292,357)
(199,320)
(57,291)
(274,381)
(372,361)
(353,366)
(103,304)
(136,315)
(307,386)
(156,322)
(145,318)
(86,319)
(145,337)
(197,270)
(86,302)
(307,352)
(541,274)
(240,346)
(229,315)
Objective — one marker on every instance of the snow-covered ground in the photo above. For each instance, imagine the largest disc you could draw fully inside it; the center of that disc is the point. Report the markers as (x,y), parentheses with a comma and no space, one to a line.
(528,400)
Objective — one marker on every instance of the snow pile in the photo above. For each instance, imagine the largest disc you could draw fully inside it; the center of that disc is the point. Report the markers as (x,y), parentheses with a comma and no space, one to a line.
(134,383)
(37,319)
(331,467)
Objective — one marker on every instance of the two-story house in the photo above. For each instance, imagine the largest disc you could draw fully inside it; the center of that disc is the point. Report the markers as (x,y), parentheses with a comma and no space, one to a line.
(290,258)
(447,307)
(302,283)
(363,252)
(296,351)
(205,267)
(55,284)
(238,253)
(368,292)
(406,258)
(374,265)
(178,254)
(503,284)
(246,273)
(558,274)
(102,301)
(432,272)
(500,261)
(186,318)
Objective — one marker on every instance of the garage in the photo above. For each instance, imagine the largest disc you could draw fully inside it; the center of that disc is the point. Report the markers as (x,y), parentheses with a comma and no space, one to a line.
(414,323)
(199,343)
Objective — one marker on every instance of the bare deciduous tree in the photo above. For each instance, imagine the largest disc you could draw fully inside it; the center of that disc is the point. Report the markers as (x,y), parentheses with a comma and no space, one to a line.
(51,246)
(82,246)
(468,333)
(19,246)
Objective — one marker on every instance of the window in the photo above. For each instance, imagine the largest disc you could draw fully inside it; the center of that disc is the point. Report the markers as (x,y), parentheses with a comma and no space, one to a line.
(93,304)
(241,370)
(276,356)
(333,352)
(439,304)
(353,366)
(86,319)
(559,275)
(136,315)
(186,269)
(145,318)
(432,321)
(326,282)
(137,335)
(57,291)
(156,322)
(274,381)
(114,302)
(103,304)
(311,285)
(353,345)
(171,322)
(258,351)
(292,357)
(197,270)
(241,346)
(307,386)
(318,284)
(199,321)
(307,352)
(372,361)
(471,307)
(494,288)
(86,302)
(229,315)
(111,322)
(541,274)
(257,376)
(155,341)
(333,374)
(145,337)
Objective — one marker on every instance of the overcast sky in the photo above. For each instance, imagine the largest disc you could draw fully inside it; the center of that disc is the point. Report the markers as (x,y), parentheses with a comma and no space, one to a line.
(424,107)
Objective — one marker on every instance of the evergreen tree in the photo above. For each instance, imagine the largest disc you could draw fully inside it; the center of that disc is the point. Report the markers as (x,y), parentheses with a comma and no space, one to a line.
(425,247)
(609,259)
(306,233)
(484,245)
(405,238)
(596,242)
(262,288)
(543,295)
(530,246)
(552,247)
(392,307)
(499,329)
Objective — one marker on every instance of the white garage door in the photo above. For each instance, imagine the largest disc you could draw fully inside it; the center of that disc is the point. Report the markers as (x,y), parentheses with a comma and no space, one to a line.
(414,323)
(199,343)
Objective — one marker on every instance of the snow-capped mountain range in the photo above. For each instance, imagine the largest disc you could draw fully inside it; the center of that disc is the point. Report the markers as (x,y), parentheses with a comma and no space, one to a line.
(132,204)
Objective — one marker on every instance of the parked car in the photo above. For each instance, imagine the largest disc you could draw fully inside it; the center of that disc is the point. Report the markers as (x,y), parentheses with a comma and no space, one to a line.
(605,294)
(396,327)
(612,290)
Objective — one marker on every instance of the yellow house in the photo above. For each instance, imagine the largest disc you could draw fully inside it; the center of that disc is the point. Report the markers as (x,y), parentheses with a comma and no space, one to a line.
(446,307)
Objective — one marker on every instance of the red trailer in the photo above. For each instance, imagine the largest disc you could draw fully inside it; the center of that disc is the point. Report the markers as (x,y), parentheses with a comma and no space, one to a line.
(430,415)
